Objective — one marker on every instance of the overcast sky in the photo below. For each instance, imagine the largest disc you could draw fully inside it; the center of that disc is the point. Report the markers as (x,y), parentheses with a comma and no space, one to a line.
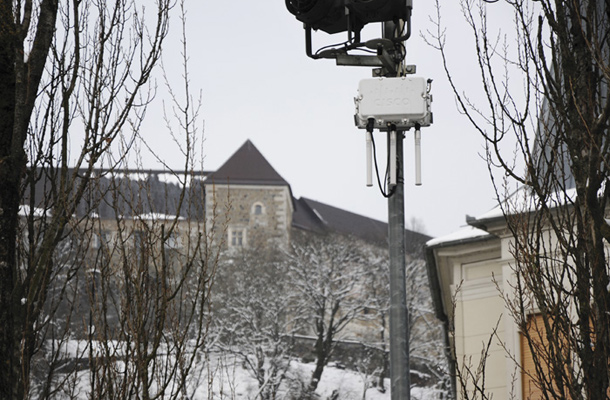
(248,58)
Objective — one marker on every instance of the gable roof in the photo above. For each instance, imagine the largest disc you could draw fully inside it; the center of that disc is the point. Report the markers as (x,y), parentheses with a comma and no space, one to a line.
(141,192)
(247,166)
(319,217)
(304,217)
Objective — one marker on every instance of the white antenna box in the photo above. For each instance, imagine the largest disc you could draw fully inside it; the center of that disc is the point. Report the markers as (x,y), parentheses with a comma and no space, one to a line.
(402,102)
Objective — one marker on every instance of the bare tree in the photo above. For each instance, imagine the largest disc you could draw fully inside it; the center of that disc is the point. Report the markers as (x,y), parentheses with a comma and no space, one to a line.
(325,270)
(377,288)
(76,81)
(254,315)
(558,116)
(425,331)
(150,313)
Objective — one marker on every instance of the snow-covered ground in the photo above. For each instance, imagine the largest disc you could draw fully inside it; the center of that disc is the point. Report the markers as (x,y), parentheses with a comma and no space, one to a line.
(235,383)
(223,377)
(350,386)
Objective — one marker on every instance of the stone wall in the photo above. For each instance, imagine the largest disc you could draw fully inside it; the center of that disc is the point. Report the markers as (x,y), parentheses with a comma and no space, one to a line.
(256,216)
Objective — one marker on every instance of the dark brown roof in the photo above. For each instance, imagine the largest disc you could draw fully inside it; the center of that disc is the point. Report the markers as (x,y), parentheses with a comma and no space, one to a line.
(247,166)
(319,217)
(125,192)
(304,217)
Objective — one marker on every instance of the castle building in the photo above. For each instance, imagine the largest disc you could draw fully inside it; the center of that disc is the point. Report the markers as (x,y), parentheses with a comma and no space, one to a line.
(257,205)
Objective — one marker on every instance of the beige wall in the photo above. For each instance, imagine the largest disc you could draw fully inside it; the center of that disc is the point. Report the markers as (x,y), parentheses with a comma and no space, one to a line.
(472,277)
(479,318)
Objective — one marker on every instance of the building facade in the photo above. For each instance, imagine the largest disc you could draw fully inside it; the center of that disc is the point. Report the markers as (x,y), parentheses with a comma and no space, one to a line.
(497,331)
(250,199)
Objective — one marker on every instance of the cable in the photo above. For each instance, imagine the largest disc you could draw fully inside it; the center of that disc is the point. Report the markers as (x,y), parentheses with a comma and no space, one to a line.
(382,188)
(417,154)
(346,45)
(336,46)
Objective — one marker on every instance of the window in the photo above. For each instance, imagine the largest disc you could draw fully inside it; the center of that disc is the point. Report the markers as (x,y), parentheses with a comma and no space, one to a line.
(139,243)
(237,237)
(258,209)
(258,215)
(100,239)
(173,241)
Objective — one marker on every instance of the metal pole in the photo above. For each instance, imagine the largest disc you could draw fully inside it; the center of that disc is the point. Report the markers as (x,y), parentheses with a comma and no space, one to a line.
(399,314)
(399,318)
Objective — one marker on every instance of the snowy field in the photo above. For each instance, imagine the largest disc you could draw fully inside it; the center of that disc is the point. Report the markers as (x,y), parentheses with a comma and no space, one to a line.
(223,377)
(349,385)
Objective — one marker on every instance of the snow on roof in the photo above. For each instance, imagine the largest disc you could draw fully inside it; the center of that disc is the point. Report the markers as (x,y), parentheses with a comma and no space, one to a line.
(464,233)
(152,216)
(521,201)
(25,211)
(178,178)
(169,178)
(132,176)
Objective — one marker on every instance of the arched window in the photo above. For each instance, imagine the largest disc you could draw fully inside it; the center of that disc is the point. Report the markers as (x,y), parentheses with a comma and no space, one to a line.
(258,209)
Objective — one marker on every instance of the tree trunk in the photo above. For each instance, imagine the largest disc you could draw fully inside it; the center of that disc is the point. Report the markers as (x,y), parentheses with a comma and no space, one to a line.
(322,349)
(19,81)
(9,207)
